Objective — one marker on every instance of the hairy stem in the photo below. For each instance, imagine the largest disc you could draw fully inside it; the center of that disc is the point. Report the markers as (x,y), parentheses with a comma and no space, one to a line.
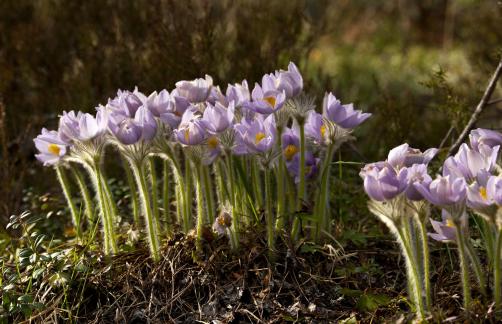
(426,263)
(146,203)
(464,269)
(65,185)
(269,217)
(166,195)
(234,233)
(89,210)
(476,266)
(133,193)
(497,271)
(154,186)
(208,192)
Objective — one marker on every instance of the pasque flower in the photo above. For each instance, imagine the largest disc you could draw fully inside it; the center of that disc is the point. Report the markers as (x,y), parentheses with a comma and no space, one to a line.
(290,82)
(290,141)
(311,166)
(487,137)
(343,115)
(195,91)
(82,126)
(266,99)
(127,102)
(444,190)
(417,173)
(384,183)
(315,128)
(494,189)
(238,93)
(405,156)
(130,130)
(191,130)
(51,147)
(444,230)
(469,163)
(217,118)
(257,135)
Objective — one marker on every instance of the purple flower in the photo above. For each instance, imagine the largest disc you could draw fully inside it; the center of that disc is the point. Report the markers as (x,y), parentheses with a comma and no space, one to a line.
(130,130)
(484,136)
(405,156)
(445,230)
(238,93)
(257,135)
(468,163)
(311,166)
(82,126)
(213,149)
(191,130)
(51,147)
(290,143)
(177,107)
(417,173)
(343,115)
(384,183)
(494,189)
(290,81)
(127,102)
(266,100)
(159,103)
(196,90)
(218,118)
(315,128)
(443,191)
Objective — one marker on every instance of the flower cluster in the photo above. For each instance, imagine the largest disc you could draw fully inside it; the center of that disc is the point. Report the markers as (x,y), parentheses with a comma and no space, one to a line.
(209,138)
(470,182)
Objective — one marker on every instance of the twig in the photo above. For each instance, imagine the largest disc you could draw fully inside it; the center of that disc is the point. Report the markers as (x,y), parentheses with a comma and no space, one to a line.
(445,138)
(479,109)
(494,101)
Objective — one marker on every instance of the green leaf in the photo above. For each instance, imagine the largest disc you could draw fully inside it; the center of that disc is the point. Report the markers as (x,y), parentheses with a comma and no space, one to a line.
(26,299)
(371,302)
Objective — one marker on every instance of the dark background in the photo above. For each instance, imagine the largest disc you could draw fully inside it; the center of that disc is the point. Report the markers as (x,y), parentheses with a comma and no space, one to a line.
(419,66)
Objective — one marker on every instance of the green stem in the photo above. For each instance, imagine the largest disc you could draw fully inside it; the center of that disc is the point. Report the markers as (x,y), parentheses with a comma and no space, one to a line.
(188,192)
(106,218)
(166,195)
(200,208)
(255,175)
(208,192)
(155,188)
(269,217)
(426,263)
(464,269)
(222,189)
(234,233)
(65,185)
(413,273)
(132,192)
(89,211)
(321,208)
(476,265)
(301,183)
(497,272)
(281,198)
(146,203)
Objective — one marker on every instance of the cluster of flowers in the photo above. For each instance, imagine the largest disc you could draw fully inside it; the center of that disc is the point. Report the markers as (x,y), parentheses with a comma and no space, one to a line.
(471,184)
(206,137)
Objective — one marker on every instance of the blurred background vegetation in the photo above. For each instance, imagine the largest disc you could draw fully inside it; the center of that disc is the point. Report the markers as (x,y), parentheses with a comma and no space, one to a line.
(419,65)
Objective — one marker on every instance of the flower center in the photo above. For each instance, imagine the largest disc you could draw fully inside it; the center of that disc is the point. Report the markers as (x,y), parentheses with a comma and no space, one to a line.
(482,192)
(187,135)
(270,101)
(290,151)
(323,130)
(449,223)
(259,137)
(212,142)
(54,149)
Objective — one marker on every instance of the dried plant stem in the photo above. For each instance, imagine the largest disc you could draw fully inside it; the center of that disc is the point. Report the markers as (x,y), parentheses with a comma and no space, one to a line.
(479,109)
(65,185)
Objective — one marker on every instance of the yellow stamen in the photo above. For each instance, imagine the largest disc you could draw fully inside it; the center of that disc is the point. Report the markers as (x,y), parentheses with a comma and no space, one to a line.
(187,134)
(54,149)
(323,130)
(449,223)
(212,142)
(258,137)
(290,151)
(270,101)
(482,192)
